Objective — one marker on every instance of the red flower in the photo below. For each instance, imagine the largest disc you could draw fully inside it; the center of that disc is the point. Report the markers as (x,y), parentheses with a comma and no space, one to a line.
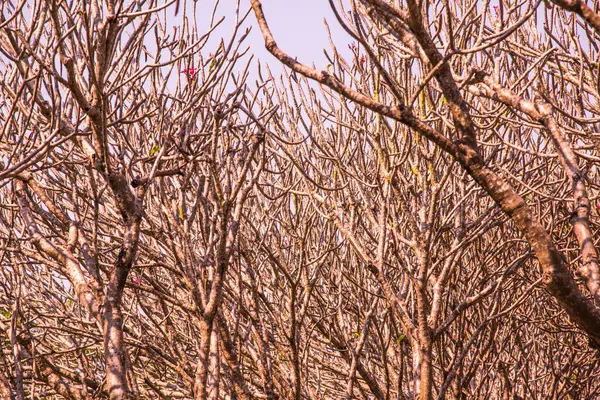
(137,281)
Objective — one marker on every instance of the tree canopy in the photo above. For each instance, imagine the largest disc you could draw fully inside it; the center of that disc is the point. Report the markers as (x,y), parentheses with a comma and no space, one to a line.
(416,219)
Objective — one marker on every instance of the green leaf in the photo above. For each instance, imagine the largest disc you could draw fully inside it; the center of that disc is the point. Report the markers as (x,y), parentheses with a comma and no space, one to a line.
(155,149)
(213,64)
(401,338)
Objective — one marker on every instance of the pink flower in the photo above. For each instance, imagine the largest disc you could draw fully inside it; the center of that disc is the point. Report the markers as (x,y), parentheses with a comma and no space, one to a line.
(137,281)
(363,59)
(192,71)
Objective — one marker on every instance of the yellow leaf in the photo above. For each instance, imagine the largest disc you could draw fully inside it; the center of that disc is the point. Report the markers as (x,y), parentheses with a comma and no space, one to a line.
(422,103)
(415,170)
(155,149)
(431,174)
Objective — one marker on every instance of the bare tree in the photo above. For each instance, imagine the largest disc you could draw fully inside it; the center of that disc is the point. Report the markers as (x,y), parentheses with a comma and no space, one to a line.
(119,140)
(514,105)
(413,220)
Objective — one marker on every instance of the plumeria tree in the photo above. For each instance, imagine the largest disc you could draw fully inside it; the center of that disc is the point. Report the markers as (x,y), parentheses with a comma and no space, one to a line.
(129,147)
(456,153)
(414,219)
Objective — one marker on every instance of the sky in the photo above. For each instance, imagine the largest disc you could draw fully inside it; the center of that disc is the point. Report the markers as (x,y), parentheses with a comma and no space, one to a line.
(297,26)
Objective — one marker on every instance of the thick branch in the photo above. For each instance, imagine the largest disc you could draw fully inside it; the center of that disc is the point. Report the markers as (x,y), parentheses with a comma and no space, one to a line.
(580,8)
(542,113)
(556,276)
